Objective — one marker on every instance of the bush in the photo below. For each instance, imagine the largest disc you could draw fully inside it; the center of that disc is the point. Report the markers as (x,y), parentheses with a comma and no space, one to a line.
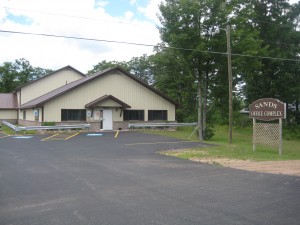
(291,133)
(48,123)
(208,133)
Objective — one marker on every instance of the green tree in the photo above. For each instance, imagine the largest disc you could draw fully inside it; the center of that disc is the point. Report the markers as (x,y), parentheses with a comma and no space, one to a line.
(106,65)
(15,74)
(171,77)
(39,72)
(140,67)
(8,77)
(189,28)
(276,23)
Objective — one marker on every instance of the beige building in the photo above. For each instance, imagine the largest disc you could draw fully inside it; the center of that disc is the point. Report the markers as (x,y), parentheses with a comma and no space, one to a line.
(107,100)
(8,107)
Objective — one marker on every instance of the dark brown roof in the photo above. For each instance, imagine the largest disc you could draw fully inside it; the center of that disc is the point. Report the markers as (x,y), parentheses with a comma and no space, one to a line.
(105,97)
(8,101)
(49,74)
(68,87)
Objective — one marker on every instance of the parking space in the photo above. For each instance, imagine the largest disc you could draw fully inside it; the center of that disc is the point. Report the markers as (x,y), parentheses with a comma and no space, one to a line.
(98,178)
(128,138)
(61,136)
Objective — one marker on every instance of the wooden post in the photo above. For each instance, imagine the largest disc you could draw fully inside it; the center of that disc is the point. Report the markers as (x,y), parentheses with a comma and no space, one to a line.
(254,125)
(229,83)
(280,136)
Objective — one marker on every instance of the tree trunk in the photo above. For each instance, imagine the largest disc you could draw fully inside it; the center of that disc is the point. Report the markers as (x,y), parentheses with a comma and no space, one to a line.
(297,114)
(200,121)
(205,104)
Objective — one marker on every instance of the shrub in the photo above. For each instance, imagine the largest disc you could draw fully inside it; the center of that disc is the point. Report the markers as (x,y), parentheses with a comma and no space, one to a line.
(208,133)
(291,133)
(48,123)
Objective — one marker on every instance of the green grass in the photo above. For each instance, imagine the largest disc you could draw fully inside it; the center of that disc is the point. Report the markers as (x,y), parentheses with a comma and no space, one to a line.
(9,131)
(241,147)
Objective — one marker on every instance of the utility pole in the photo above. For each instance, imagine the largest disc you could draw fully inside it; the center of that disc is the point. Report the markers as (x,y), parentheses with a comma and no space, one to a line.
(229,82)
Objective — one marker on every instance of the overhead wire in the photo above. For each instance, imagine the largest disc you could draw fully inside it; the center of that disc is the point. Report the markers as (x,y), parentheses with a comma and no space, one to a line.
(119,22)
(146,45)
(129,43)
(76,17)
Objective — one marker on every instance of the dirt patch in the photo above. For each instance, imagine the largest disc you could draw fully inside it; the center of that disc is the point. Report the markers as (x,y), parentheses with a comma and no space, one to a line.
(291,167)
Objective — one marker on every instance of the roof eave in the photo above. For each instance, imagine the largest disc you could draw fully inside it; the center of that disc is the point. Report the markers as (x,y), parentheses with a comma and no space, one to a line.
(63,68)
(8,108)
(105,97)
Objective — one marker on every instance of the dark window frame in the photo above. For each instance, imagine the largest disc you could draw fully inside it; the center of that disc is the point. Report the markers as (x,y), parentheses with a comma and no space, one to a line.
(73,114)
(24,114)
(134,115)
(157,115)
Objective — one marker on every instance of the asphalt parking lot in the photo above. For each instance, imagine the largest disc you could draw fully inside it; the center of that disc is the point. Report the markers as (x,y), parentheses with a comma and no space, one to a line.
(111,181)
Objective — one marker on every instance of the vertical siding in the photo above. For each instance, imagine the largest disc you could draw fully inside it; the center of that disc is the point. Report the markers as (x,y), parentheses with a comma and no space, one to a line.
(8,114)
(116,115)
(40,114)
(47,84)
(29,114)
(109,103)
(18,97)
(118,85)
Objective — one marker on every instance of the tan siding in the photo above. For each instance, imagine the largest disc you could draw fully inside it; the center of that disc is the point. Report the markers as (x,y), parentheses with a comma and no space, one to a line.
(19,115)
(40,114)
(120,86)
(109,103)
(8,114)
(47,84)
(18,97)
(116,115)
(29,114)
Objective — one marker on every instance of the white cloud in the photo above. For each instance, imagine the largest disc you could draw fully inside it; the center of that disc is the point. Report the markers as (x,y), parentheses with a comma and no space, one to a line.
(128,15)
(151,10)
(82,20)
(101,3)
(132,2)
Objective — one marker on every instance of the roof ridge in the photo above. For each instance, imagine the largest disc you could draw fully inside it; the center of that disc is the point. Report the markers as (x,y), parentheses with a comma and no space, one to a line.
(49,74)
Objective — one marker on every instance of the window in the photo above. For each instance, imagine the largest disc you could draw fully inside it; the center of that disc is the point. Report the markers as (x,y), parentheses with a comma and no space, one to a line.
(157,115)
(73,114)
(133,115)
(24,115)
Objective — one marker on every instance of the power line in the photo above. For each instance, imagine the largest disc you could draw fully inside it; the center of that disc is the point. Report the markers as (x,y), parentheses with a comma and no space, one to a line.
(146,45)
(122,22)
(74,16)
(129,23)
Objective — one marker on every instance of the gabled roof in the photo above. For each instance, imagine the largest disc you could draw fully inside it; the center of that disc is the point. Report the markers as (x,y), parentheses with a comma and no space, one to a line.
(8,101)
(68,87)
(104,98)
(49,74)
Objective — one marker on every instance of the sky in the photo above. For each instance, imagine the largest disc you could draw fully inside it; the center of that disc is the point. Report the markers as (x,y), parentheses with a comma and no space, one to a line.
(133,21)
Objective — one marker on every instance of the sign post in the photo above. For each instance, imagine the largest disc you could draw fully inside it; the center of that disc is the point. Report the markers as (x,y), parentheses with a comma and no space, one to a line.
(254,125)
(269,134)
(280,134)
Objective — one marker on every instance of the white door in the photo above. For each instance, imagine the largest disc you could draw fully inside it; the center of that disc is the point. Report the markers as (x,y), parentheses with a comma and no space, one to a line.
(107,119)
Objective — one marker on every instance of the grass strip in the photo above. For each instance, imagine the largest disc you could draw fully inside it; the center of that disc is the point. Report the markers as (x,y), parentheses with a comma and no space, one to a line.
(241,148)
